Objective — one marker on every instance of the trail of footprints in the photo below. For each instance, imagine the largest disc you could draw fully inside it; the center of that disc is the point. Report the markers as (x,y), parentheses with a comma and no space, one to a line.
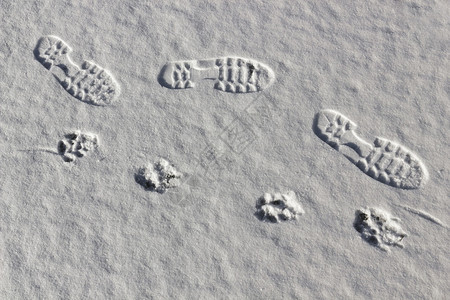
(383,160)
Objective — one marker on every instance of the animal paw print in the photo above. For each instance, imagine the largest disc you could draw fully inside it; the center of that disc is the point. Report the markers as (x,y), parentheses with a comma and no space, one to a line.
(379,228)
(76,145)
(159,176)
(278,207)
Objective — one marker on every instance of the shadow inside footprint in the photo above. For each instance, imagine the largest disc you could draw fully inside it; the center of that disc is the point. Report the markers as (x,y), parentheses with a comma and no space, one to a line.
(139,177)
(162,80)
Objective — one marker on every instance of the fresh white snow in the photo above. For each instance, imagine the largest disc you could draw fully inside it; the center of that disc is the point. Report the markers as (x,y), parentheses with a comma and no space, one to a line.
(236,117)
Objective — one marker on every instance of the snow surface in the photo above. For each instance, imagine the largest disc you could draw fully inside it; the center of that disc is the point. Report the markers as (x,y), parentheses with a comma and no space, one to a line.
(87,230)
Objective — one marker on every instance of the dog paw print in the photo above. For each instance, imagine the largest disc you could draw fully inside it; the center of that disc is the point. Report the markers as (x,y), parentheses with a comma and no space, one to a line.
(76,144)
(159,176)
(278,207)
(379,228)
